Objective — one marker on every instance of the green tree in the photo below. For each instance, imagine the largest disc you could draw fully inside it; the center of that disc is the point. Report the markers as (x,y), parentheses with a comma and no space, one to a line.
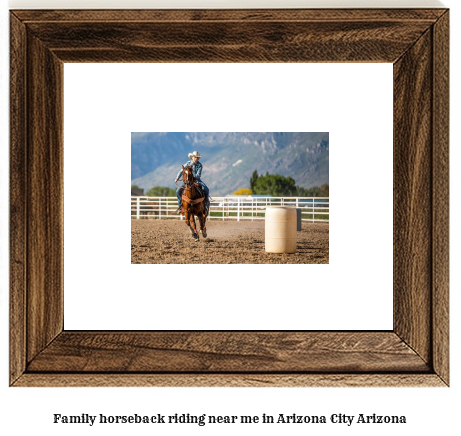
(281,186)
(134,187)
(275,185)
(161,191)
(315,191)
(253,180)
(302,192)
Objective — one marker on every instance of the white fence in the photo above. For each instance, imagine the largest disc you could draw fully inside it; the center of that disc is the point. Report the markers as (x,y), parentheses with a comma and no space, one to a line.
(313,209)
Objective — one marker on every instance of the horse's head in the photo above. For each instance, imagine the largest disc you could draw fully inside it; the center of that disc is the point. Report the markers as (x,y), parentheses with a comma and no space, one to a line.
(187,176)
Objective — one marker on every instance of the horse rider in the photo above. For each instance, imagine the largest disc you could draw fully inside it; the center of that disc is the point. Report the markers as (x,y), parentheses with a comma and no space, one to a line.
(197,173)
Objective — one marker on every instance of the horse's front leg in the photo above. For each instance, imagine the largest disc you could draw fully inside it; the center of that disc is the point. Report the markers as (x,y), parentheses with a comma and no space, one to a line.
(191,223)
(187,216)
(202,218)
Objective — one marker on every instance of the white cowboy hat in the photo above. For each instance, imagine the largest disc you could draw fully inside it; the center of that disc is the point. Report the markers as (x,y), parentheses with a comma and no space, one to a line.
(194,154)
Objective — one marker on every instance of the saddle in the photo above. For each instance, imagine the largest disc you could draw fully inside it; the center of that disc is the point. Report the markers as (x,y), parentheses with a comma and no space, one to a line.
(199,189)
(202,195)
(196,201)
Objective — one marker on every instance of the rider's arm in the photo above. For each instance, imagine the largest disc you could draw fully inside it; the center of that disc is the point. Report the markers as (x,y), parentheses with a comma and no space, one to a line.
(198,172)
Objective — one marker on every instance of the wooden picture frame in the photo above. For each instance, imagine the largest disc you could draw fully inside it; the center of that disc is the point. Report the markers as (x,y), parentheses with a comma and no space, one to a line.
(414,353)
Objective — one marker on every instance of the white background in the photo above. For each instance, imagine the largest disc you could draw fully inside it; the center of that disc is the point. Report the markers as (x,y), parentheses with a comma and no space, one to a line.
(103,105)
(428,410)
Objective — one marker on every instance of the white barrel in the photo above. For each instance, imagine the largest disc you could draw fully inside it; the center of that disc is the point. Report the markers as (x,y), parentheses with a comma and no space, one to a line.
(281,225)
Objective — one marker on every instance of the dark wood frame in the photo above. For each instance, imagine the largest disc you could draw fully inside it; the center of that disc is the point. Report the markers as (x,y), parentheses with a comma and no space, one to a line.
(414,353)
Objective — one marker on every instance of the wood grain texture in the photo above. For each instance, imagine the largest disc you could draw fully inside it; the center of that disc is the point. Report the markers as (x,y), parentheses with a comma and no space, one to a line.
(18,211)
(440,211)
(225,351)
(44,197)
(414,354)
(413,196)
(184,15)
(230,380)
(326,41)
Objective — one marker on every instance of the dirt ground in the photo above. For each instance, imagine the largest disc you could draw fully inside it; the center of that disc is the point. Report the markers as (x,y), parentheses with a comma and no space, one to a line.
(230,242)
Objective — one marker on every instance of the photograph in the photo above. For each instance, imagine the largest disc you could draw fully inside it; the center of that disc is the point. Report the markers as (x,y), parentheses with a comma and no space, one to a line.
(230,198)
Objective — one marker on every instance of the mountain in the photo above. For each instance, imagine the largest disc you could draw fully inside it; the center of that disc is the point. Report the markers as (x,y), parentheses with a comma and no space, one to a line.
(229,159)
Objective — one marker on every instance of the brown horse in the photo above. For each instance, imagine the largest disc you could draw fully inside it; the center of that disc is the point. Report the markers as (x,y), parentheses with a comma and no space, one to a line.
(193,203)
